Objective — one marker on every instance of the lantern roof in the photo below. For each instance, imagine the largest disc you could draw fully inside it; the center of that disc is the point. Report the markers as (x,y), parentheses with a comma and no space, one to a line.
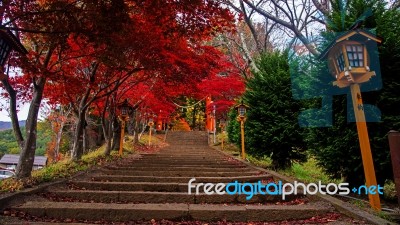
(10,38)
(241,104)
(125,103)
(361,36)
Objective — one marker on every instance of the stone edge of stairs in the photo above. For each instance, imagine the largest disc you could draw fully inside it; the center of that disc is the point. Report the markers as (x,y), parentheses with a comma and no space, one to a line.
(341,206)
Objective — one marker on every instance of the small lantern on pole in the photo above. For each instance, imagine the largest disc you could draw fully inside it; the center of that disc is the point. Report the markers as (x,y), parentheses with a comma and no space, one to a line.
(8,42)
(348,57)
(242,108)
(214,123)
(125,110)
(159,123)
(222,123)
(349,64)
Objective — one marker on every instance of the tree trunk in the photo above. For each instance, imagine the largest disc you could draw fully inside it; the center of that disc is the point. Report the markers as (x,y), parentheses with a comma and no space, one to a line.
(27,155)
(85,140)
(13,113)
(107,130)
(130,129)
(107,151)
(194,118)
(116,134)
(99,139)
(58,141)
(136,129)
(77,150)
(106,125)
(247,53)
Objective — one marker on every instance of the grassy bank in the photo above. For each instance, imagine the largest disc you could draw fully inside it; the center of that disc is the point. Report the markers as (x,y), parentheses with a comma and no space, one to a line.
(305,172)
(67,168)
(309,172)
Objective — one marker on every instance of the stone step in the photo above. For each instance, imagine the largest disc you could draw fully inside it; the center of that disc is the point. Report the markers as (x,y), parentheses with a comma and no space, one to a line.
(179,173)
(191,157)
(185,152)
(180,137)
(174,160)
(183,157)
(188,149)
(175,163)
(173,211)
(200,166)
(173,140)
(181,162)
(163,197)
(178,168)
(184,144)
(135,186)
(130,186)
(119,178)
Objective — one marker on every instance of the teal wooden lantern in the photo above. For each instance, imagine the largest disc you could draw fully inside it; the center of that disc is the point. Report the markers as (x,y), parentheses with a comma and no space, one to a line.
(348,57)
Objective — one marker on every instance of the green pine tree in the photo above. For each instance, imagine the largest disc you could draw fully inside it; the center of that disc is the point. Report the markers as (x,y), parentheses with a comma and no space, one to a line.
(272,128)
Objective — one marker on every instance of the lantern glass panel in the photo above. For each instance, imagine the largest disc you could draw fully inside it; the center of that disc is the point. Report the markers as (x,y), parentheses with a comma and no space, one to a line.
(124,110)
(4,51)
(242,110)
(355,53)
(340,61)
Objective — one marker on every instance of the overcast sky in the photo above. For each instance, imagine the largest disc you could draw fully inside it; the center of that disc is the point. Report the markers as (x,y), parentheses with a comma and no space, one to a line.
(22,114)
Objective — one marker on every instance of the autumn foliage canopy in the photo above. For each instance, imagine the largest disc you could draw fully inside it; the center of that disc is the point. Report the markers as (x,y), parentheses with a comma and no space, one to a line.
(91,54)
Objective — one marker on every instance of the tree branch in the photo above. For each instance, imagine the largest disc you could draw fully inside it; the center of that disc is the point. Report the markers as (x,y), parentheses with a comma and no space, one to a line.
(288,25)
(321,8)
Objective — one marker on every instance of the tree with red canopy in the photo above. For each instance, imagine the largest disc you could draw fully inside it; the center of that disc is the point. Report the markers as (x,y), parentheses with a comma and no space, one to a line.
(89,48)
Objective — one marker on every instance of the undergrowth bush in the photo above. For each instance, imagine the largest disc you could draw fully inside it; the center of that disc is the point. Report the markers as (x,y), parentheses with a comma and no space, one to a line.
(66,168)
(389,191)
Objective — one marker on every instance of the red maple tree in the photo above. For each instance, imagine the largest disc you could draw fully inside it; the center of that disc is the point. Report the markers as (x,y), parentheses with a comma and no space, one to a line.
(80,52)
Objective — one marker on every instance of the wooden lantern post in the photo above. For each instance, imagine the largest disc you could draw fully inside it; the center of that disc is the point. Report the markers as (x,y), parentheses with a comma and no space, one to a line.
(151,124)
(241,108)
(348,62)
(125,110)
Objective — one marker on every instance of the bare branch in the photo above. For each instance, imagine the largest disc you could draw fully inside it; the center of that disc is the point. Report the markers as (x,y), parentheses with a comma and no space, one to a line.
(295,23)
(322,8)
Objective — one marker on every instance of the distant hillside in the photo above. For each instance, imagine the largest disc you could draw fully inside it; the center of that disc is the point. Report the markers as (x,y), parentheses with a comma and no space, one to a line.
(9,145)
(7,125)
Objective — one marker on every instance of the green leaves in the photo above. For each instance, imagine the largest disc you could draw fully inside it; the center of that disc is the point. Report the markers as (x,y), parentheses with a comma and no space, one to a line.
(272,128)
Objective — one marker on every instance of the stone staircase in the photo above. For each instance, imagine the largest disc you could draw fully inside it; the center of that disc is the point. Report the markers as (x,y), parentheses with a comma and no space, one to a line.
(181,125)
(154,187)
